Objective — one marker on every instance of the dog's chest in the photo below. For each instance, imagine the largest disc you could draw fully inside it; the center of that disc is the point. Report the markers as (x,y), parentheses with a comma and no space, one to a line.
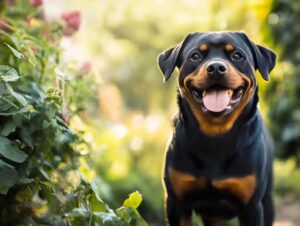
(186,185)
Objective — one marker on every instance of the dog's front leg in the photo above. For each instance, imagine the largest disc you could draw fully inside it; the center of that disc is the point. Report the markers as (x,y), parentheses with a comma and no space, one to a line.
(176,215)
(252,215)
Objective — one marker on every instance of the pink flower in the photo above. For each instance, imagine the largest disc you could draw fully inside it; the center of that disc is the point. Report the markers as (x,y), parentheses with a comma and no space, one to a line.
(86,67)
(66,118)
(4,25)
(36,3)
(72,20)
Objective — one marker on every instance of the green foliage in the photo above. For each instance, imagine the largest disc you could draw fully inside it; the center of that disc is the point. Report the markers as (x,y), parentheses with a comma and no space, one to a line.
(133,201)
(287,177)
(129,210)
(285,90)
(39,154)
(94,211)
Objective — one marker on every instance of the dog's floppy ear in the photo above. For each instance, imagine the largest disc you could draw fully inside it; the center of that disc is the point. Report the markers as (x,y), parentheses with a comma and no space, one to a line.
(168,59)
(264,58)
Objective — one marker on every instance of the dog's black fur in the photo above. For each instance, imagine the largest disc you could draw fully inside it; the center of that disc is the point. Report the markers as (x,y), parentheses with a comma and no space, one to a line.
(218,164)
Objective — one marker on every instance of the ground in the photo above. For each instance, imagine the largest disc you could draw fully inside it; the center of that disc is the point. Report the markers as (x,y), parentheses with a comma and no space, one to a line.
(288,212)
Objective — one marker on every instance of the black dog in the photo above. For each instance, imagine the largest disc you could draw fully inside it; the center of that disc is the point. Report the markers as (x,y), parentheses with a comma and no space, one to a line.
(219,160)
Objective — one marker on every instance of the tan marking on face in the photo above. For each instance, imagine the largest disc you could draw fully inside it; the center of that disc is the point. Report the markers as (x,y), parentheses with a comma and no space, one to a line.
(203,47)
(199,77)
(214,126)
(184,183)
(241,187)
(229,47)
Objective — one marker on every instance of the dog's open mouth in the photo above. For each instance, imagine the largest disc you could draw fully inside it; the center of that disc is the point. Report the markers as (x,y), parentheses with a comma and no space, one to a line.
(218,100)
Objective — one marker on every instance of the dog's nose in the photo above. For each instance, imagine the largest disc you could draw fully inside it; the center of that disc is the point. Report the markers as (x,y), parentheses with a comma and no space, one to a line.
(216,68)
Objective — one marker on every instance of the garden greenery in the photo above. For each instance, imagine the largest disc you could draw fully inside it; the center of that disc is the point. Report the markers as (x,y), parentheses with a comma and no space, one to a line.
(40,183)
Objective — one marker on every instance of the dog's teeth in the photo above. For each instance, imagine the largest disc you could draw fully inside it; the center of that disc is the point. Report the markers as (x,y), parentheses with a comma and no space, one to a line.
(203,93)
(230,92)
(195,94)
(228,107)
(204,109)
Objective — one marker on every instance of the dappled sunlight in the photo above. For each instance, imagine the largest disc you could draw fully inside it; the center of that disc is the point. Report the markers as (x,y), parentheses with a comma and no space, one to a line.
(85,114)
(130,127)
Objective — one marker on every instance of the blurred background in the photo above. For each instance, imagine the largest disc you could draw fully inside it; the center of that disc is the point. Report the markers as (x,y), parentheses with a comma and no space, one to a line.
(126,120)
(129,122)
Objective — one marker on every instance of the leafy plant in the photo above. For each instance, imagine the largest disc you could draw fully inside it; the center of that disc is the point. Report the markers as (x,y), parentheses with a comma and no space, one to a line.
(39,154)
(285,84)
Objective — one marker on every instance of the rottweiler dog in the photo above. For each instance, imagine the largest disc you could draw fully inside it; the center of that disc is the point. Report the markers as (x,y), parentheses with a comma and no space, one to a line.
(219,159)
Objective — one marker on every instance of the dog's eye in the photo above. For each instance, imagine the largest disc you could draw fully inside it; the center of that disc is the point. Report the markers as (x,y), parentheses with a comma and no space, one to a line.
(196,56)
(237,56)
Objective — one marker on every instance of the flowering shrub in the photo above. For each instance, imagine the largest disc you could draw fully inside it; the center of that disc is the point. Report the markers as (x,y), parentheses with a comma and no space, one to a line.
(72,22)
(39,155)
(36,3)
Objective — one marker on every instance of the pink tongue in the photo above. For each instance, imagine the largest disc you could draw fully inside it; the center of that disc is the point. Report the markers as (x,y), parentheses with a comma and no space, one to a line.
(216,100)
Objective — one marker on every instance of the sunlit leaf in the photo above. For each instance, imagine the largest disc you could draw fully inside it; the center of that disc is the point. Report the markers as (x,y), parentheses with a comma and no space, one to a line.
(96,205)
(32,58)
(15,51)
(134,200)
(128,212)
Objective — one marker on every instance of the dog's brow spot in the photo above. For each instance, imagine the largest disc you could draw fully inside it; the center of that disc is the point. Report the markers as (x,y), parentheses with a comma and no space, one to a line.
(203,47)
(229,47)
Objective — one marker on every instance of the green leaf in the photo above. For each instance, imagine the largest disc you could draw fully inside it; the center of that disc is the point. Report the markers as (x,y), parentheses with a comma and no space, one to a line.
(18,96)
(95,189)
(79,212)
(24,194)
(15,51)
(128,212)
(78,217)
(8,175)
(11,151)
(25,181)
(27,137)
(13,111)
(134,200)
(44,173)
(131,216)
(8,128)
(32,59)
(96,205)
(8,74)
(108,218)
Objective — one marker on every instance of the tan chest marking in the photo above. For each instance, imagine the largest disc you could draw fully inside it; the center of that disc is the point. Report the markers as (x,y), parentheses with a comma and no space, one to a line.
(184,183)
(241,187)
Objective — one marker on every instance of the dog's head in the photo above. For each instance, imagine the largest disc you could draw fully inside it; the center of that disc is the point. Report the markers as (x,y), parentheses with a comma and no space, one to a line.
(217,75)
